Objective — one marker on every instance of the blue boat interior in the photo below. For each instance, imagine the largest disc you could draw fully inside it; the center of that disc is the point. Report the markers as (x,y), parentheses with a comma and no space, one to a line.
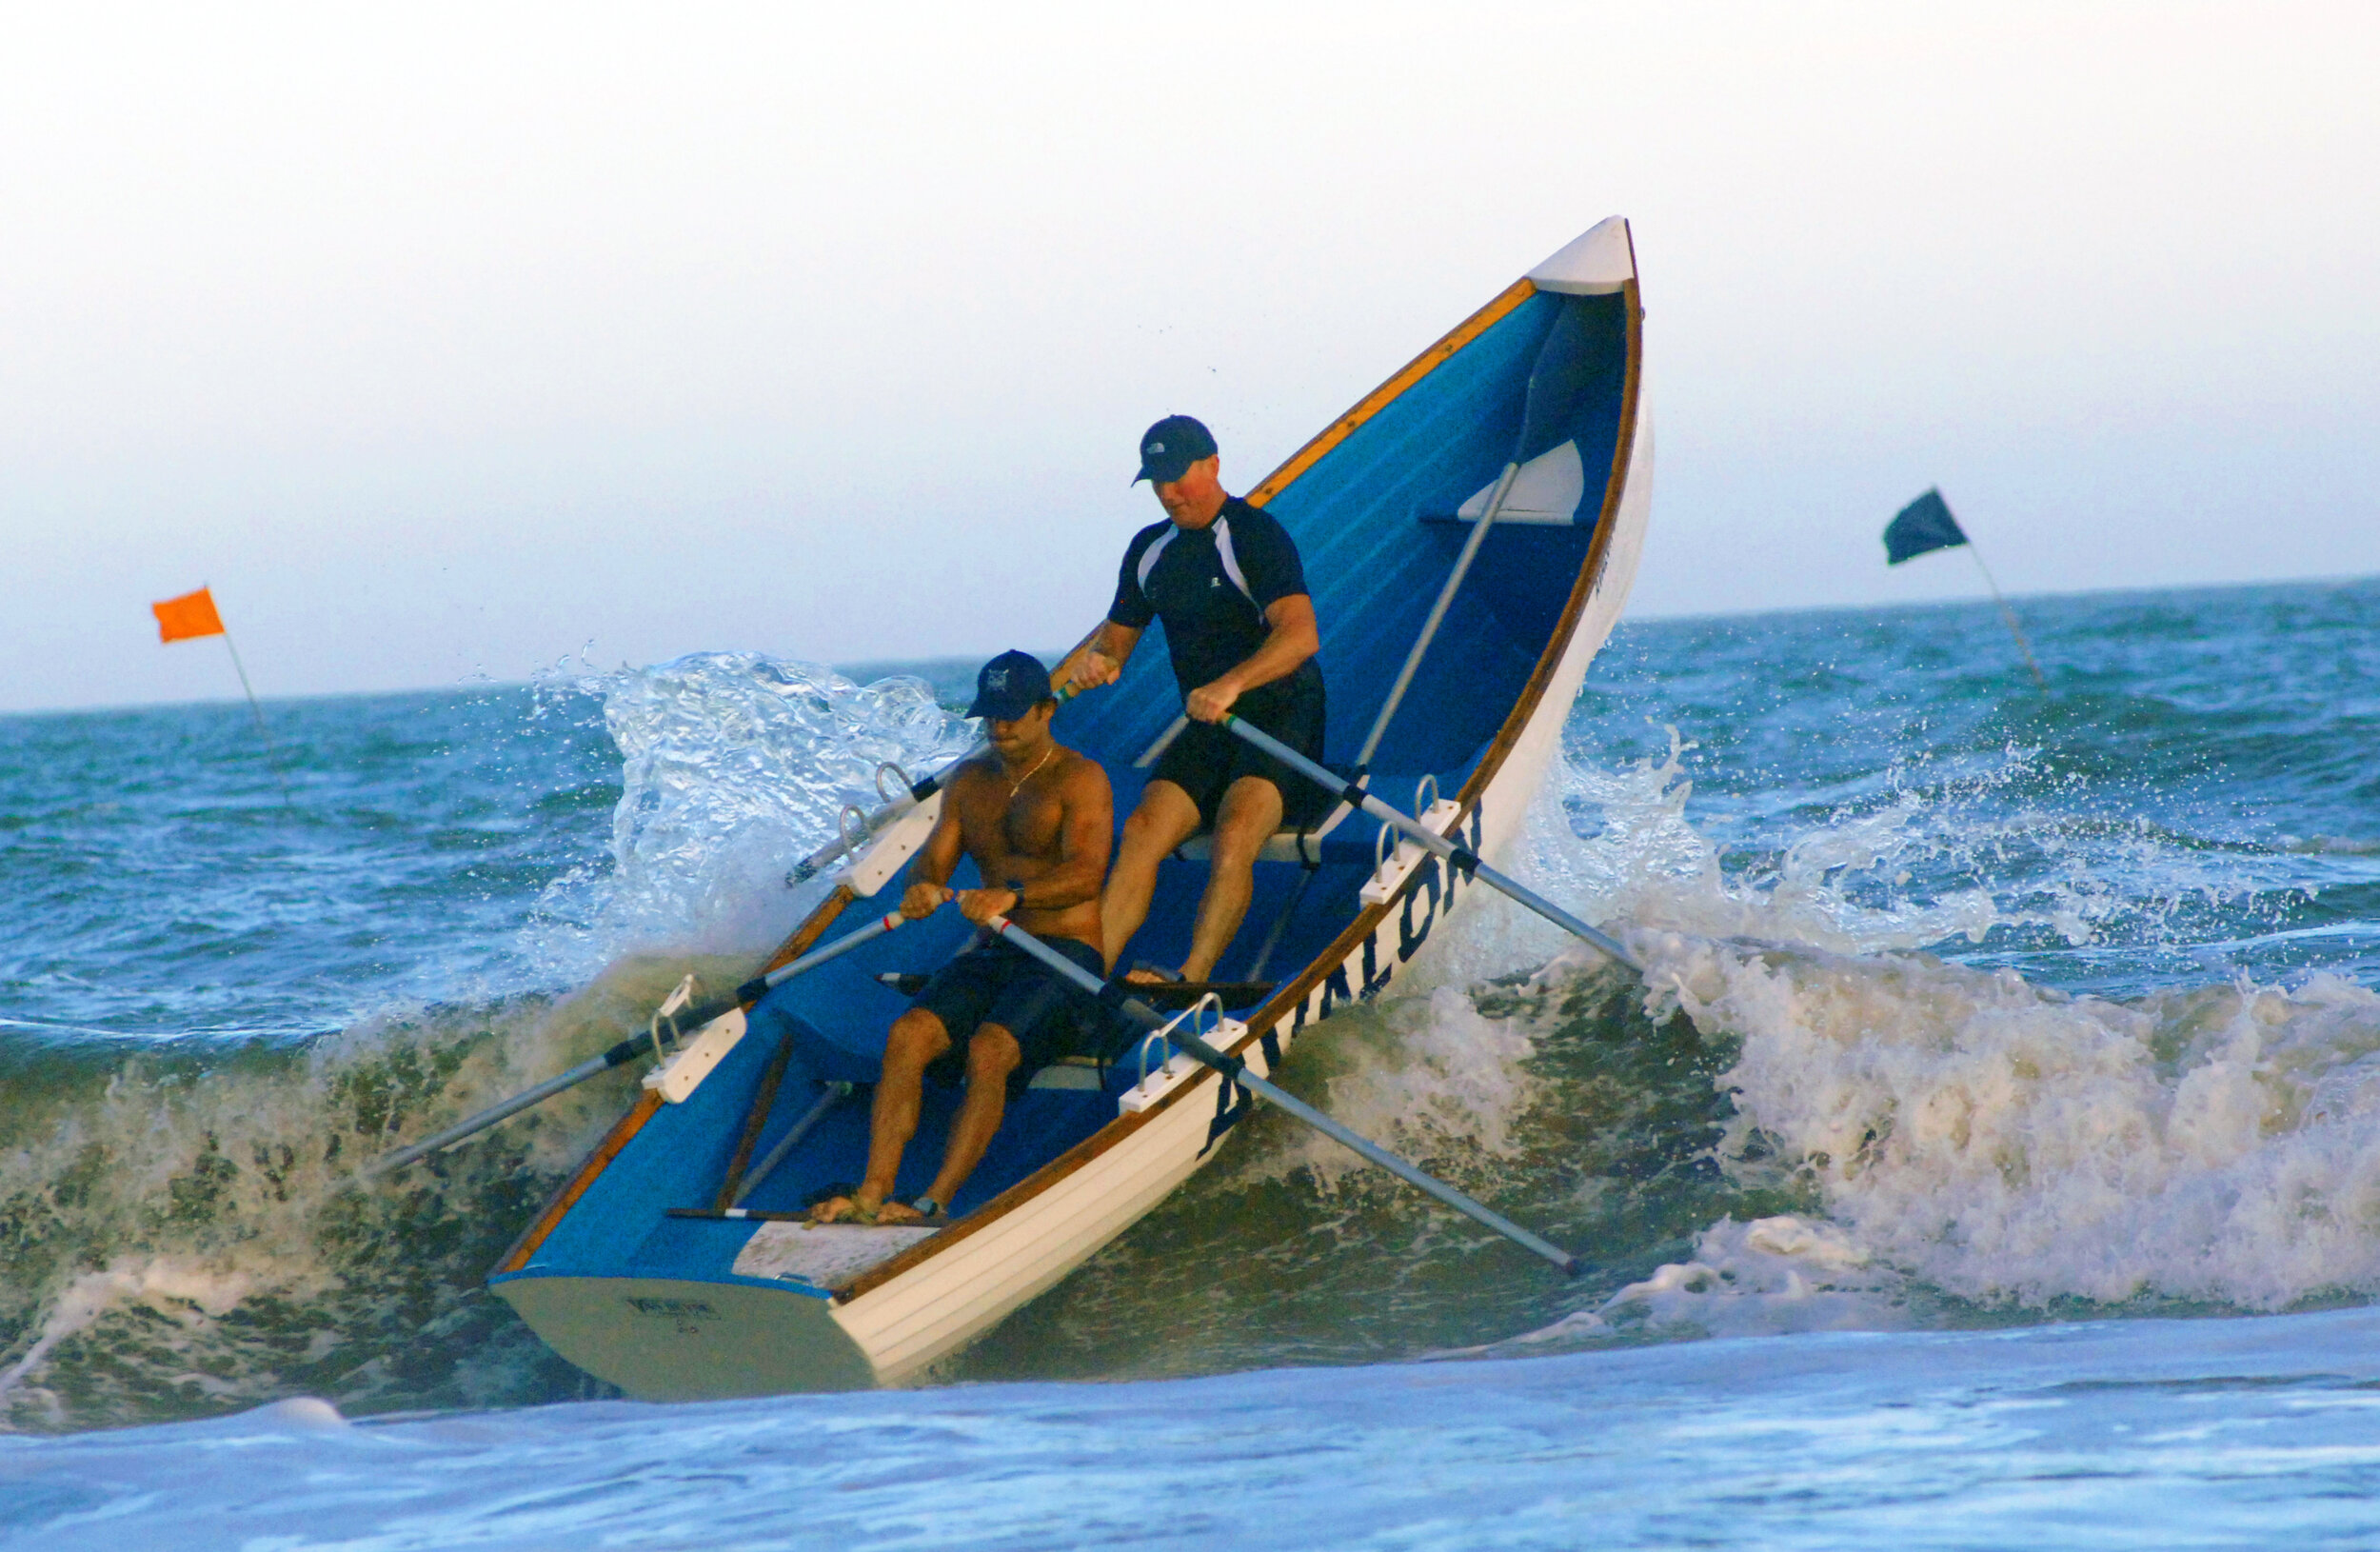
(1375,519)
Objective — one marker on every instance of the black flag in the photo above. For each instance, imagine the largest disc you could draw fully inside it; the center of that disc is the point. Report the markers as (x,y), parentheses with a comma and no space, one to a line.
(1923,526)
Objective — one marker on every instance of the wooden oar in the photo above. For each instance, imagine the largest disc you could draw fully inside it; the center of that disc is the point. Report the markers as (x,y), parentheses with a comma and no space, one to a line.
(750,992)
(1235,1069)
(1460,857)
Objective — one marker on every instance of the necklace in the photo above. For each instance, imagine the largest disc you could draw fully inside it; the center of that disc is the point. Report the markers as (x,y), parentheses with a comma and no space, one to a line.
(1017,786)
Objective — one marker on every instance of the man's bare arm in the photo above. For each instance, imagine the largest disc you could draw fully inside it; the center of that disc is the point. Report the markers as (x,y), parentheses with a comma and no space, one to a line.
(1294,637)
(1100,660)
(930,879)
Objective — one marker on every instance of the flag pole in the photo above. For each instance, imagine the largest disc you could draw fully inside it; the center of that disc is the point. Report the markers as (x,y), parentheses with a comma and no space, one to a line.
(2006,614)
(272,757)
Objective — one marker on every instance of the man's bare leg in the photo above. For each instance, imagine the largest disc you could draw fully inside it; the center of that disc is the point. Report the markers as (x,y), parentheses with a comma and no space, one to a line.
(992,1055)
(1250,812)
(1164,820)
(917,1038)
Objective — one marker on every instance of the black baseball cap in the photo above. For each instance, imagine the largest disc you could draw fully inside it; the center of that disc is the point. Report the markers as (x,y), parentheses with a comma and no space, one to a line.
(1010,685)
(1170,446)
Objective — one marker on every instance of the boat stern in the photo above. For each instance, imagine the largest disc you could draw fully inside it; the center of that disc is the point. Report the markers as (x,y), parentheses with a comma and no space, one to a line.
(672,1339)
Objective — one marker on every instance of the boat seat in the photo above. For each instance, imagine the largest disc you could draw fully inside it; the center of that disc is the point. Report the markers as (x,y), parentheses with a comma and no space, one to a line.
(1069,1072)
(1310,848)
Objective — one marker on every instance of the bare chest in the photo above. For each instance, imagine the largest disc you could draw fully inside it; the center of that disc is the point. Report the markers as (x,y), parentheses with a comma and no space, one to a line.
(999,821)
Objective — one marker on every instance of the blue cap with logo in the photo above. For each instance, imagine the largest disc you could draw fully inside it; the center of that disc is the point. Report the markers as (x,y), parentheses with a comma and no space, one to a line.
(1010,685)
(1170,446)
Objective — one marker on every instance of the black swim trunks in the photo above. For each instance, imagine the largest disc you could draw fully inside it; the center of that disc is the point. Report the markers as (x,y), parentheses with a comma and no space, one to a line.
(1205,758)
(995,981)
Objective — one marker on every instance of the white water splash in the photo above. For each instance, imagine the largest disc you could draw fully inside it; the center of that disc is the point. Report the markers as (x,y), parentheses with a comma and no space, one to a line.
(164,1202)
(734,767)
(1968,1131)
(1950,859)
(182,1292)
(2004,1142)
(1770,1277)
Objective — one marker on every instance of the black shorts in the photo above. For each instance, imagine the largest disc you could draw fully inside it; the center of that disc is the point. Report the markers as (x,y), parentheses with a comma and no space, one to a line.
(1205,758)
(995,981)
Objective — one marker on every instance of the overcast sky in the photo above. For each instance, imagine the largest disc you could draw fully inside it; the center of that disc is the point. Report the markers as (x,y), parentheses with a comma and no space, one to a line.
(452,341)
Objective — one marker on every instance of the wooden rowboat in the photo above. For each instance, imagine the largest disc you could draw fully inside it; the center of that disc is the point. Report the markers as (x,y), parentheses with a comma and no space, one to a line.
(1513,458)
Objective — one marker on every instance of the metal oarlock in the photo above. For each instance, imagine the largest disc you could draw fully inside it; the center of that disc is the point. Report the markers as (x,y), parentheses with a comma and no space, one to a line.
(671,1005)
(1459,857)
(1210,1004)
(825,856)
(1234,1070)
(619,1055)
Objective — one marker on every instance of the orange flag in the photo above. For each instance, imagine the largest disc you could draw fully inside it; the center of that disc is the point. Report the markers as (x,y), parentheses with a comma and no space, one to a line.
(192,614)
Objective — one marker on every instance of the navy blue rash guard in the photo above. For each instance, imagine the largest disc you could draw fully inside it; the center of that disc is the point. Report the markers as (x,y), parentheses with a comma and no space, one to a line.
(1214,617)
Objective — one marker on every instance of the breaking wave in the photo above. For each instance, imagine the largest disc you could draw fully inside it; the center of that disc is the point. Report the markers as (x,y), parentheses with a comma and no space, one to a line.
(1927,1040)
(185,1229)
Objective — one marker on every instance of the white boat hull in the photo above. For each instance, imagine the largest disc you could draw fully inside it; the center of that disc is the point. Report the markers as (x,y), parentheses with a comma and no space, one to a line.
(668,1338)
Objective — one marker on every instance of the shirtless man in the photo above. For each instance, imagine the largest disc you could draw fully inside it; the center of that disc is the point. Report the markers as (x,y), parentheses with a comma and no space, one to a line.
(1037,819)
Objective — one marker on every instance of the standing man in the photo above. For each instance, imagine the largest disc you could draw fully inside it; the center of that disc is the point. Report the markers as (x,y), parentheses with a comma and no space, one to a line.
(1038,818)
(1240,627)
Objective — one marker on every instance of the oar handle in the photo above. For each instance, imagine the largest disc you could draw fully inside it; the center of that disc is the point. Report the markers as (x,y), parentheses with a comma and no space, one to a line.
(760,987)
(1236,1069)
(1460,857)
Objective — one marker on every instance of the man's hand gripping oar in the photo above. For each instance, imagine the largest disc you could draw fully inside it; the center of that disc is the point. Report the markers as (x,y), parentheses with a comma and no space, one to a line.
(1456,856)
(748,994)
(1236,1069)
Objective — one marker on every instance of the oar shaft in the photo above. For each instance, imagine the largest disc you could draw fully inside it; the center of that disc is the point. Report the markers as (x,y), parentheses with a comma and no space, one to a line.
(1461,857)
(1438,613)
(1237,1070)
(625,1051)
(810,1118)
(753,991)
(835,851)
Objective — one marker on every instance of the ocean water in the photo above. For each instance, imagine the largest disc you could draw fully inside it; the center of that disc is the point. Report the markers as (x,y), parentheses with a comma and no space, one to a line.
(1991,1154)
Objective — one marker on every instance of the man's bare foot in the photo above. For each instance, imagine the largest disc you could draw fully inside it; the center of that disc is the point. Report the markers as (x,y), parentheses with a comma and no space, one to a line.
(843,1209)
(1145,974)
(897,1212)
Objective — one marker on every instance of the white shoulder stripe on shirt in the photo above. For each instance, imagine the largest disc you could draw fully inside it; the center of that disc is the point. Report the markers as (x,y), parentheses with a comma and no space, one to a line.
(1222,553)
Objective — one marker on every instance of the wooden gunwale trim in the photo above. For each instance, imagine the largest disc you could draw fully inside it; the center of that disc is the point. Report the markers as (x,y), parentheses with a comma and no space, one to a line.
(1590,573)
(999,1206)
(797,943)
(813,927)
(608,1149)
(1287,998)
(1381,397)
